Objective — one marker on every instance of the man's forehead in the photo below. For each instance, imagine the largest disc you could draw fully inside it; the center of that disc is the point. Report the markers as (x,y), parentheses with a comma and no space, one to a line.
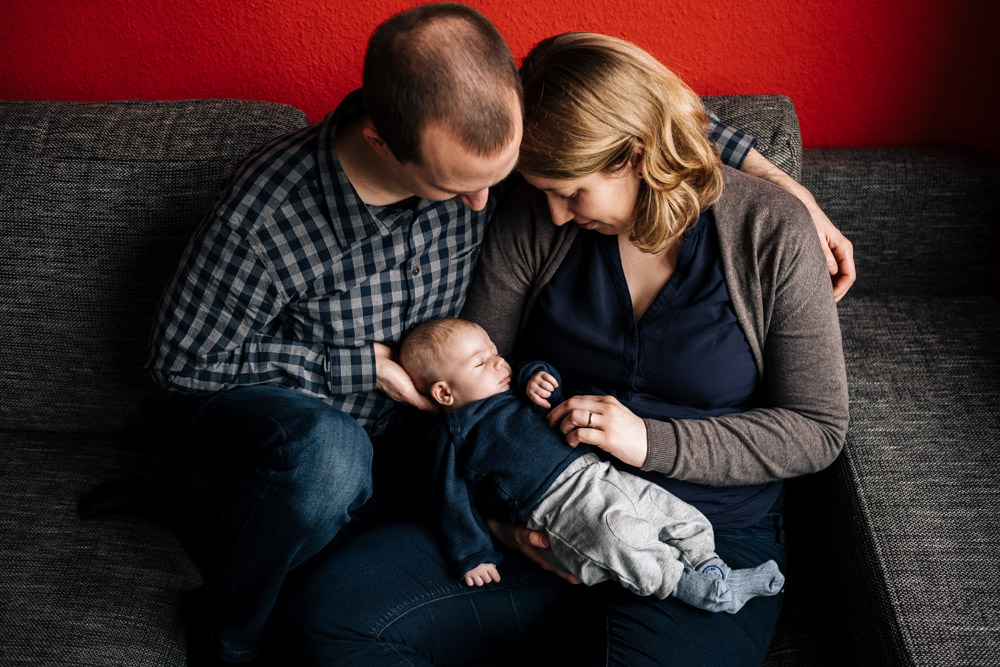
(450,166)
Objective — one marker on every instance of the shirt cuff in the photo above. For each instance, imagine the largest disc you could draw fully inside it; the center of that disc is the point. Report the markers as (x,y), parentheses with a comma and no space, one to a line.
(661,447)
(350,370)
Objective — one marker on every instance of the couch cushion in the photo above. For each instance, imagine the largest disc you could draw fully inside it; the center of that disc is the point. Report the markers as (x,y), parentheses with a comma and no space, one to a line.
(98,202)
(915,490)
(102,592)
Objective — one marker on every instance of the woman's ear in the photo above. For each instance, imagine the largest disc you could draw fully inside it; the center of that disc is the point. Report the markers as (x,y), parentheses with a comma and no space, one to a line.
(638,159)
(441,393)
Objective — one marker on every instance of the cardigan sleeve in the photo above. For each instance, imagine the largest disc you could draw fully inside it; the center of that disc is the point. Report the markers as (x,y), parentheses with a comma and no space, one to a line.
(781,293)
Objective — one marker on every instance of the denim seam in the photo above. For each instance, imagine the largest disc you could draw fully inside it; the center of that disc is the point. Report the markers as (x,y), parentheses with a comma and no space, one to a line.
(430,597)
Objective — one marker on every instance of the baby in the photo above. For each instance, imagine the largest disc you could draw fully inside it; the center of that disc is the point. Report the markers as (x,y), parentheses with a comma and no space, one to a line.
(496,447)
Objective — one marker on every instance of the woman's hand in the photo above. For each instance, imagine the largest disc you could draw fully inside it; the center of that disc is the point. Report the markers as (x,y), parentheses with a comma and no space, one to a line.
(393,379)
(528,542)
(604,422)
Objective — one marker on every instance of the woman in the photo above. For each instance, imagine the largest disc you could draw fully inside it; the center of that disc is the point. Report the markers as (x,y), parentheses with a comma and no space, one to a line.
(689,310)
(686,303)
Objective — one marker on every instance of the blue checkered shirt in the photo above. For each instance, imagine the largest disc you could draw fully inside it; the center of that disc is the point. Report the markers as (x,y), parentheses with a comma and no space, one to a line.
(733,144)
(291,277)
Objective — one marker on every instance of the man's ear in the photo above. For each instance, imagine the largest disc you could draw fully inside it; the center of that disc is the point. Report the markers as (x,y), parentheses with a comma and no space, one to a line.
(377,143)
(441,393)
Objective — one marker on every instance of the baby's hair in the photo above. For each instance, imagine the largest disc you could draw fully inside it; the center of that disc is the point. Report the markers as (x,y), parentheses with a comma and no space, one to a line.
(422,350)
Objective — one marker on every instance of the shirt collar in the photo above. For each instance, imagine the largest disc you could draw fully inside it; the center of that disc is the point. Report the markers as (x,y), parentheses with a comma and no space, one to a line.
(352,220)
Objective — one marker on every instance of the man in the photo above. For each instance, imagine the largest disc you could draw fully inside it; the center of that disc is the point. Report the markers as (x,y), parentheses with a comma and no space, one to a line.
(276,333)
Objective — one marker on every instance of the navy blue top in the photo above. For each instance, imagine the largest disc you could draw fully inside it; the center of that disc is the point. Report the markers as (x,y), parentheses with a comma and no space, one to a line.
(687,357)
(498,455)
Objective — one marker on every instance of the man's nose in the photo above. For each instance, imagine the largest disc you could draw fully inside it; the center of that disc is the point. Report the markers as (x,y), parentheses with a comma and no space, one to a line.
(559,210)
(476,200)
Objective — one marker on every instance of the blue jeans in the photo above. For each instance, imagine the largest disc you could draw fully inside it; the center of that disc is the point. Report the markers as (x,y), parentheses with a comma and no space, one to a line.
(275,474)
(388,598)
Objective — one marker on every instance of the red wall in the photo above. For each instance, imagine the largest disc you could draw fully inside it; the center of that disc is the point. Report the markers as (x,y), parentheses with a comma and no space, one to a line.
(861,72)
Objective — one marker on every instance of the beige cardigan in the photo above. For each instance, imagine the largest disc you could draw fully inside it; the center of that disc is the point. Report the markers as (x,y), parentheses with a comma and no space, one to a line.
(780,290)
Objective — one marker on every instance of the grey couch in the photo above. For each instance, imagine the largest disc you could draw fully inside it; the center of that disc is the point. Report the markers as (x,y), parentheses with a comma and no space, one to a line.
(896,543)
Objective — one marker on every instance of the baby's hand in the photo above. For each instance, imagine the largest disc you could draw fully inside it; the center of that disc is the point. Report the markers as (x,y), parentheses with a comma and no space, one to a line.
(482,574)
(540,387)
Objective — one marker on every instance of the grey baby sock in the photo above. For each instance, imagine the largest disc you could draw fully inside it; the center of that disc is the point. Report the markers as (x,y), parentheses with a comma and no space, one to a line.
(716,587)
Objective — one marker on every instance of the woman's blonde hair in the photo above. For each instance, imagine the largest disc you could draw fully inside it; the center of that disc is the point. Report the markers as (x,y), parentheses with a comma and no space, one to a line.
(593,102)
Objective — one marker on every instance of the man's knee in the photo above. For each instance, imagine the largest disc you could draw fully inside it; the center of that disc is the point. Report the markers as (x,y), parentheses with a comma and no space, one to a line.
(326,456)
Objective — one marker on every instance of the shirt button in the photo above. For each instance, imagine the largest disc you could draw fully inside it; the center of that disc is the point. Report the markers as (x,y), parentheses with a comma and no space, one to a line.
(415,270)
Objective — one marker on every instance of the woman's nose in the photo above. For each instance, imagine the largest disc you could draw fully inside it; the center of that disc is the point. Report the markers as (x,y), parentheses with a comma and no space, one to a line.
(559,210)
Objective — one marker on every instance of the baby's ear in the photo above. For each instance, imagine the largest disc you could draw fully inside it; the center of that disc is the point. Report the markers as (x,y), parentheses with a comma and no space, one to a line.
(441,393)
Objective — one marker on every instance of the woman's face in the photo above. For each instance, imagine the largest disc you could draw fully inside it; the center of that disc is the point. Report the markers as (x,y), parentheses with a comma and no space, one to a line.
(604,202)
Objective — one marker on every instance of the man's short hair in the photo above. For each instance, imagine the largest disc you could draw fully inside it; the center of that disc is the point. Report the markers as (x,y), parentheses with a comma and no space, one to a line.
(440,63)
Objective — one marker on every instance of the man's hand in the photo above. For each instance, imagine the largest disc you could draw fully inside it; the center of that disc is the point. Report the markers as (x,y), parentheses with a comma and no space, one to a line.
(528,542)
(393,379)
(540,387)
(483,573)
(839,251)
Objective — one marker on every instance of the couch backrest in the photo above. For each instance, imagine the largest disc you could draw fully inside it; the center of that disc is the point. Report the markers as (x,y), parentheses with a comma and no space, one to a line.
(97,201)
(923,221)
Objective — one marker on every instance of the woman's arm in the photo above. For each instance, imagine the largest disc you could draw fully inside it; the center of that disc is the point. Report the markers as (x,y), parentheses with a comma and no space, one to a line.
(779,286)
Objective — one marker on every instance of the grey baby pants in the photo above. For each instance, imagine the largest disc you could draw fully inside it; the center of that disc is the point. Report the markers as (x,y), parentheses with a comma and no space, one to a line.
(605,524)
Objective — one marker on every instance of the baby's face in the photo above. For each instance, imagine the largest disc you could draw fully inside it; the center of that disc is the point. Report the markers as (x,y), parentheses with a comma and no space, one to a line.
(474,370)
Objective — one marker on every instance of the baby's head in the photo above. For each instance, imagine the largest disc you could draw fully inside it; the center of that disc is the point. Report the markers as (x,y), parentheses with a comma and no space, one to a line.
(454,362)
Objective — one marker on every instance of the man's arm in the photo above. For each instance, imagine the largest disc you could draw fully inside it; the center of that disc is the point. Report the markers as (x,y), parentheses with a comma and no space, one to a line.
(839,251)
(215,328)
(393,380)
(736,149)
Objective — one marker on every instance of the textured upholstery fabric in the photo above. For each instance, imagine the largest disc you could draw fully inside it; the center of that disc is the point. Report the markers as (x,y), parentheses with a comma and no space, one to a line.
(916,487)
(771,119)
(96,204)
(923,221)
(84,593)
